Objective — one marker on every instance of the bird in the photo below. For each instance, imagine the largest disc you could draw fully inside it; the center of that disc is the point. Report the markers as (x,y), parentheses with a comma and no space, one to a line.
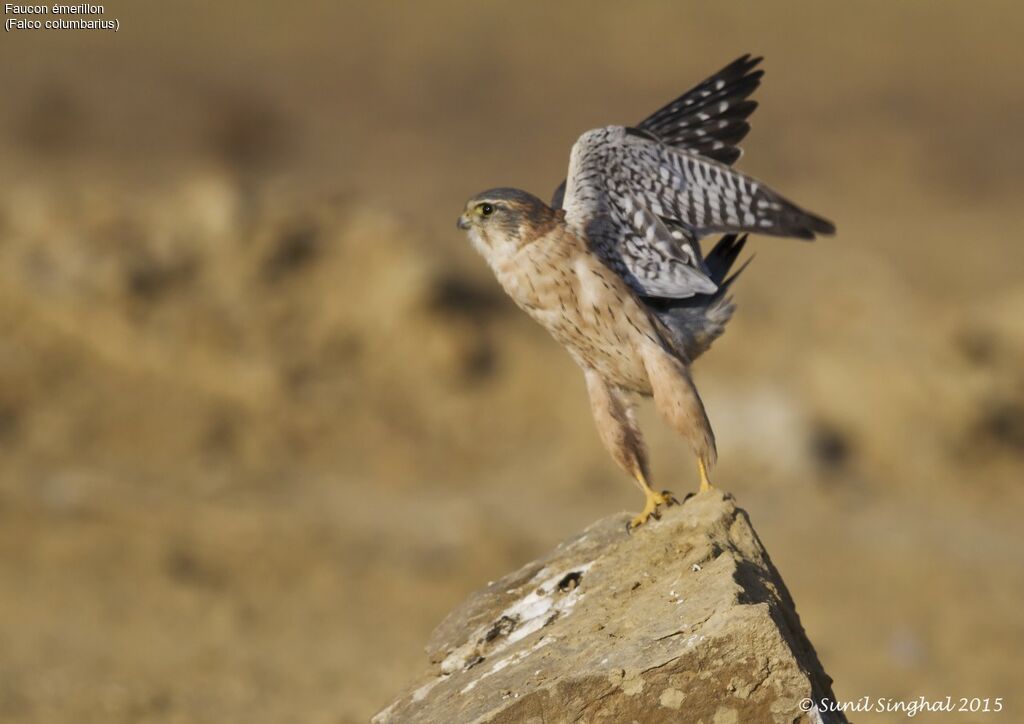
(613,267)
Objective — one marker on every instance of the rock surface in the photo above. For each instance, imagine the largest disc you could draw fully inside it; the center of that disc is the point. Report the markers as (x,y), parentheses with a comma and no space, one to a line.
(684,620)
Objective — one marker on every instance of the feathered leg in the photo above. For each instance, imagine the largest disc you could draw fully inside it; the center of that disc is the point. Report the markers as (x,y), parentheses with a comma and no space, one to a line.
(617,426)
(680,405)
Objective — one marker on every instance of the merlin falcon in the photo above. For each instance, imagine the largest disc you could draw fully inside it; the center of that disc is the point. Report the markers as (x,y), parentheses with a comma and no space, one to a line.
(613,268)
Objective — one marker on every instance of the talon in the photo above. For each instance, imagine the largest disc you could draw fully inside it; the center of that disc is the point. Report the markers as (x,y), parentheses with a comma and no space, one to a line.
(638,521)
(652,509)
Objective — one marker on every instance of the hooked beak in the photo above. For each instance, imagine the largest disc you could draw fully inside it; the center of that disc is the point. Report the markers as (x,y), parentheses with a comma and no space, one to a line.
(462,223)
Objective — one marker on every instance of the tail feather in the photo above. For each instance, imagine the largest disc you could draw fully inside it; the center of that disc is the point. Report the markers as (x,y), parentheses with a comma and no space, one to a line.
(696,322)
(723,255)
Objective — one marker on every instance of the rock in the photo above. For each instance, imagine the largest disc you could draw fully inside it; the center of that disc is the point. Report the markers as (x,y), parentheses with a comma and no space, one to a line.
(685,619)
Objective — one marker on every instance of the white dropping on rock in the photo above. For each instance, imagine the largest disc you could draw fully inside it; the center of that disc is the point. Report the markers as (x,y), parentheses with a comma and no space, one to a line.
(528,615)
(533,610)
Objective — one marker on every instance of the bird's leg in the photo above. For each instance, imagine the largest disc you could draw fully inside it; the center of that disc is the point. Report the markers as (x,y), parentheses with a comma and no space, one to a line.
(620,433)
(705,484)
(680,405)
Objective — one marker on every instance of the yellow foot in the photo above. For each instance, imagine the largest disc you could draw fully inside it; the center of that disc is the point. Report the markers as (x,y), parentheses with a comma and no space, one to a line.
(652,509)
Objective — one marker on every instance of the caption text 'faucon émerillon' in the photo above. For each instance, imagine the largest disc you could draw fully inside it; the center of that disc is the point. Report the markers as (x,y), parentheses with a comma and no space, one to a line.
(55,17)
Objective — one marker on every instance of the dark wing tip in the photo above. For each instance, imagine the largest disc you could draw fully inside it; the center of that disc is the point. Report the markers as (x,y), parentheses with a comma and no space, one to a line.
(739,111)
(709,119)
(805,225)
(558,197)
(793,222)
(778,216)
(809,226)
(821,225)
(641,133)
(729,156)
(741,65)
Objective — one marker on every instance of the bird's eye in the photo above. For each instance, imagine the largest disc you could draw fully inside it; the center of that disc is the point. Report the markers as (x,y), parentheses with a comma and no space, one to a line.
(486,209)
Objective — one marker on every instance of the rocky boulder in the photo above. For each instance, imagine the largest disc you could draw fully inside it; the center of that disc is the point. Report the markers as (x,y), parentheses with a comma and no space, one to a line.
(685,619)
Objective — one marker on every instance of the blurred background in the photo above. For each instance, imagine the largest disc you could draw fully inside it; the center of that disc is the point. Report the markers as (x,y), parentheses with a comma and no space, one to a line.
(265,417)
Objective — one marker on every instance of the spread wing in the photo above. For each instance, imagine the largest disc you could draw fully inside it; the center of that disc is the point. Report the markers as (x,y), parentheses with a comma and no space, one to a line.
(624,185)
(709,119)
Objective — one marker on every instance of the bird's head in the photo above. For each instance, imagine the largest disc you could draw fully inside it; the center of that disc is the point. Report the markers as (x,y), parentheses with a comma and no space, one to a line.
(500,221)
